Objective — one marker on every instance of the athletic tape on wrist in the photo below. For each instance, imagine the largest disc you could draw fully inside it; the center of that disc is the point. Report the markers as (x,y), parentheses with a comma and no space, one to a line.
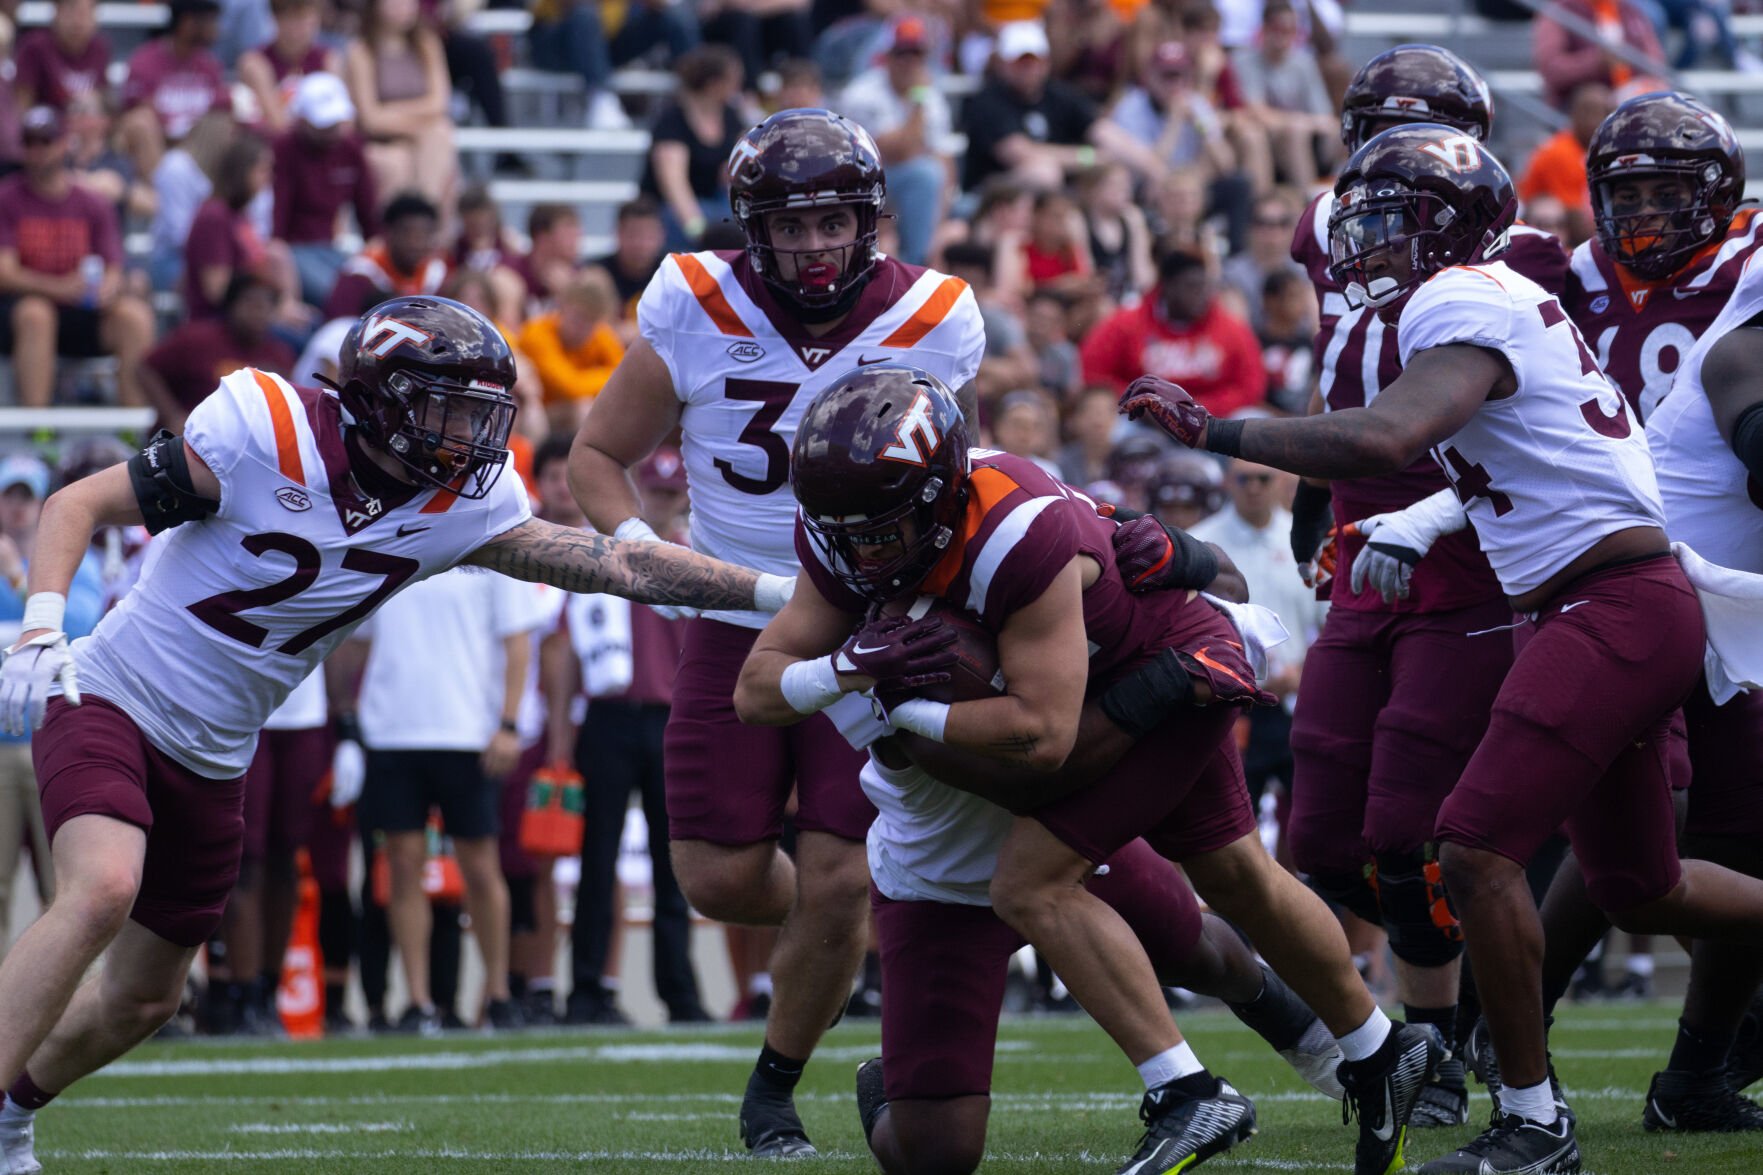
(44,610)
(810,686)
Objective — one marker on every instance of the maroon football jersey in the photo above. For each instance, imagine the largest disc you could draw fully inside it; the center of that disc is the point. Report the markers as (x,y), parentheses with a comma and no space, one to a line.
(1642,330)
(1021,528)
(1356,357)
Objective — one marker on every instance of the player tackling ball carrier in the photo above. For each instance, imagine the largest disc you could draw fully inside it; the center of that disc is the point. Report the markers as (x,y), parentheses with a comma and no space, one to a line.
(297,512)
(1549,465)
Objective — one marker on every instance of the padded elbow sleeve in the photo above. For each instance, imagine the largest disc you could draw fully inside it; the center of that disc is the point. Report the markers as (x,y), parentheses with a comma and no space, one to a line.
(160,475)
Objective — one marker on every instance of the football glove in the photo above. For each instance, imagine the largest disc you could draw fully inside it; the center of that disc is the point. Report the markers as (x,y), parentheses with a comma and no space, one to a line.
(348,764)
(1168,406)
(1154,557)
(1395,542)
(898,654)
(1318,571)
(26,677)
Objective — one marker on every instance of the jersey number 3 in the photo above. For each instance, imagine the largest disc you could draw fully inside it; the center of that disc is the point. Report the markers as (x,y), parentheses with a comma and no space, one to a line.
(221,612)
(773,397)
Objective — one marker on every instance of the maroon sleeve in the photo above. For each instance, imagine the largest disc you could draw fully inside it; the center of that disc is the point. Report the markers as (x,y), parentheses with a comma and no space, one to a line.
(1307,251)
(1034,562)
(1540,257)
(824,581)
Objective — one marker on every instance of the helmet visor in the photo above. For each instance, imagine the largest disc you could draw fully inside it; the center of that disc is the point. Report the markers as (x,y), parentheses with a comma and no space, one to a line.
(453,435)
(1652,221)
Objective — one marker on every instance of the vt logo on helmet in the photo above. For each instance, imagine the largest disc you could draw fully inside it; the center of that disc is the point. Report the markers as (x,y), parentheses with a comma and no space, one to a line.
(1411,202)
(430,381)
(879,469)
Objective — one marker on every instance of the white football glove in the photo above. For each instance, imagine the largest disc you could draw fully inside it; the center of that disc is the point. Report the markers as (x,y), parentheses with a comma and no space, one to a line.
(348,773)
(1396,541)
(25,677)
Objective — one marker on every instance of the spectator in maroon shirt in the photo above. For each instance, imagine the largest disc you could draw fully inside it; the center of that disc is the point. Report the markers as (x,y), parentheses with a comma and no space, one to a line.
(64,60)
(320,165)
(187,364)
(272,72)
(173,80)
(49,228)
(485,246)
(224,242)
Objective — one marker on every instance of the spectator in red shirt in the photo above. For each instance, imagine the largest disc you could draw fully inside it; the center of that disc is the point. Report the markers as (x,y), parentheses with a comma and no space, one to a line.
(1181,333)
(61,281)
(320,165)
(64,60)
(187,364)
(272,71)
(173,80)
(408,260)
(224,242)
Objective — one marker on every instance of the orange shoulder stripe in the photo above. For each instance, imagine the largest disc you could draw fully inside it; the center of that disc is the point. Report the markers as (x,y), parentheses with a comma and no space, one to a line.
(926,318)
(990,486)
(443,499)
(287,441)
(1477,272)
(710,296)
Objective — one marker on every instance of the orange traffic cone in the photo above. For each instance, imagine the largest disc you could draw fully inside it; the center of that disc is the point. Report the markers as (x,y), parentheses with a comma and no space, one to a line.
(300,998)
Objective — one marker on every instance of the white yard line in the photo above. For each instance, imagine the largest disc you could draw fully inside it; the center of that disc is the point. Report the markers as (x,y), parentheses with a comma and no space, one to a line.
(319,1127)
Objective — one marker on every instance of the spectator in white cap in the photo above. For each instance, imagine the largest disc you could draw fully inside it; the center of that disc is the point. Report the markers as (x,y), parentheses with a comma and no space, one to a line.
(273,71)
(1027,123)
(320,165)
(24,483)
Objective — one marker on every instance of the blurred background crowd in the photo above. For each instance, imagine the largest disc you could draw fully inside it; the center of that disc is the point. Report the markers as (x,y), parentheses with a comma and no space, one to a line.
(197,186)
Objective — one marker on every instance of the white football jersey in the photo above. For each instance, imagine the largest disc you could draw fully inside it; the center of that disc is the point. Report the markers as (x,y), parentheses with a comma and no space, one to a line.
(1711,501)
(237,609)
(1550,470)
(931,842)
(745,372)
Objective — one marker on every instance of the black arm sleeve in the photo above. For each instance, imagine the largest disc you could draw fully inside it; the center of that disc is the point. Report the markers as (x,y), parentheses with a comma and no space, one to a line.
(1312,515)
(160,474)
(1747,440)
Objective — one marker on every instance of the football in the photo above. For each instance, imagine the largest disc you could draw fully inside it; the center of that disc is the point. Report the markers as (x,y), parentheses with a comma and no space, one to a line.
(975,674)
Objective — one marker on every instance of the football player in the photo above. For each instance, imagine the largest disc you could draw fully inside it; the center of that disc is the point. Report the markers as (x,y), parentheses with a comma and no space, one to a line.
(296,513)
(1395,693)
(1671,252)
(1543,455)
(732,346)
(893,504)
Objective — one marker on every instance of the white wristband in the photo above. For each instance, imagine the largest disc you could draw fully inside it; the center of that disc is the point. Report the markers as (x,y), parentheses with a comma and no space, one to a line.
(772,592)
(44,610)
(635,530)
(922,717)
(810,686)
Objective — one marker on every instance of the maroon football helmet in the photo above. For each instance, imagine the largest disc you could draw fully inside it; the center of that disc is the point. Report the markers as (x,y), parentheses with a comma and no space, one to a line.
(1415,83)
(1429,191)
(430,381)
(1663,136)
(809,159)
(885,445)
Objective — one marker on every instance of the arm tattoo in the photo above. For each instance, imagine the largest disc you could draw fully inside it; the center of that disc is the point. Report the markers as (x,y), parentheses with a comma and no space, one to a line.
(649,573)
(1016,746)
(1348,443)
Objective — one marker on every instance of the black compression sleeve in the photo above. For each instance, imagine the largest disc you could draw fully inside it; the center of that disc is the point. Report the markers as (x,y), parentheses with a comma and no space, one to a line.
(1747,440)
(1312,514)
(160,475)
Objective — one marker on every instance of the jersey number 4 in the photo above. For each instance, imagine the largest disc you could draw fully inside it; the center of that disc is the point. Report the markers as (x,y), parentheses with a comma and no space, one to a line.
(221,612)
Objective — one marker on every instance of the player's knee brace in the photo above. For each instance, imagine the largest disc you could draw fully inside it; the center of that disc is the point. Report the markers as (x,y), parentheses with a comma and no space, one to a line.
(1417,912)
(1356,891)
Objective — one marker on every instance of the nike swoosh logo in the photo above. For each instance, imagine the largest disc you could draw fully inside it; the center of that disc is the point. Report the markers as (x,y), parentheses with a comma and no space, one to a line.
(407,530)
(1388,1130)
(1570,607)
(865,362)
(861,651)
(1669,1121)
(1680,295)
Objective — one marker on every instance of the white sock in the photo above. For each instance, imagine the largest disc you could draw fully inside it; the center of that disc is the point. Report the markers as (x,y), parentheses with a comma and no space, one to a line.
(760,984)
(1640,965)
(1169,1065)
(1535,1102)
(1367,1038)
(13,1114)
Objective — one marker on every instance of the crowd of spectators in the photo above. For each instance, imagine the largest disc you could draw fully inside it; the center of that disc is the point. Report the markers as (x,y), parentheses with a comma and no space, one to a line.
(1120,185)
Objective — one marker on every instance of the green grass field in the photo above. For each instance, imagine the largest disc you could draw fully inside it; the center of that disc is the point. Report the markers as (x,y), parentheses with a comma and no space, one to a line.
(1063,1101)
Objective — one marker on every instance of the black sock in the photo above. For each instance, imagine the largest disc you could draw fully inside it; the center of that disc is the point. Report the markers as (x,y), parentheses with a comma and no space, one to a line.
(776,1072)
(1444,1019)
(334,996)
(516,985)
(1277,1015)
(1698,1051)
(267,986)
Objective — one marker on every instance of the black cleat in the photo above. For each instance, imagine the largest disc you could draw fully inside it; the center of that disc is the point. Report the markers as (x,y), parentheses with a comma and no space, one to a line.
(1382,1091)
(1514,1146)
(1478,1053)
(770,1127)
(503,1015)
(1444,1101)
(1182,1131)
(871,1098)
(1696,1103)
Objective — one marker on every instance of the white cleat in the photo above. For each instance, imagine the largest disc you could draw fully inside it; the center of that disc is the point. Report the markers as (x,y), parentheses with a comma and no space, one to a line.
(17,1145)
(1317,1057)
